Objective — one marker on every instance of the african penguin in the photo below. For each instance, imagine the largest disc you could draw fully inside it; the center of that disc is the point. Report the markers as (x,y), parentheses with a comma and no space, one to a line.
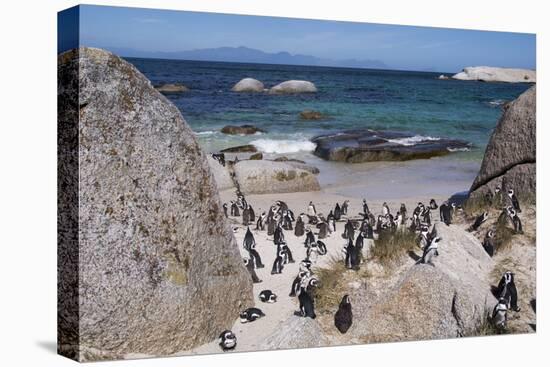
(351,259)
(445,214)
(225,209)
(227,340)
(307,303)
(349,230)
(343,317)
(507,290)
(385,209)
(433,204)
(500,314)
(278,235)
(489,243)
(219,157)
(337,212)
(323,230)
(479,221)
(278,263)
(251,314)
(430,251)
(365,207)
(295,287)
(321,248)
(344,208)
(311,210)
(234,209)
(331,222)
(299,228)
(514,200)
(260,224)
(268,296)
(310,238)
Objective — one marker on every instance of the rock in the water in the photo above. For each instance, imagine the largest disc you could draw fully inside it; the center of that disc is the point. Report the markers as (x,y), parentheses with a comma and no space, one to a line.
(155,253)
(256,156)
(443,77)
(356,146)
(172,88)
(248,85)
(296,332)
(248,148)
(241,130)
(311,115)
(494,74)
(446,300)
(221,175)
(266,177)
(510,157)
(293,86)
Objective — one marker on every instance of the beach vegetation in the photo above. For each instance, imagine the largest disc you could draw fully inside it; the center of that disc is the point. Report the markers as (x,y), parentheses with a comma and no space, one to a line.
(390,246)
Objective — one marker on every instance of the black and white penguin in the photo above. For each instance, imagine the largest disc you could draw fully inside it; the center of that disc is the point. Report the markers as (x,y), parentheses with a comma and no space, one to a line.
(385,209)
(419,209)
(310,238)
(251,314)
(500,314)
(351,259)
(282,205)
(359,242)
(307,303)
(311,211)
(299,228)
(513,214)
(246,216)
(234,209)
(331,222)
(445,213)
(343,317)
(479,221)
(225,209)
(260,224)
(278,235)
(489,242)
(344,208)
(507,290)
(249,264)
(403,212)
(433,204)
(514,200)
(227,340)
(295,287)
(321,248)
(430,251)
(268,296)
(337,212)
(365,207)
(288,254)
(251,214)
(323,230)
(249,242)
(287,220)
(271,225)
(349,230)
(278,263)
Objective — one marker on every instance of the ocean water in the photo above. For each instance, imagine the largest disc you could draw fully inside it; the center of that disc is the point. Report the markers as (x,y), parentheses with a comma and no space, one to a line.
(415,102)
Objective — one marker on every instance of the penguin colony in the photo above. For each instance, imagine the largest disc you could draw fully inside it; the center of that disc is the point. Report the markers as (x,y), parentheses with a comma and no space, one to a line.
(280,221)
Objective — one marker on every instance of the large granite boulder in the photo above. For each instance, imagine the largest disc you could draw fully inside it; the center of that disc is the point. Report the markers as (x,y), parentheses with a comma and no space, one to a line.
(221,174)
(266,177)
(494,74)
(446,300)
(296,332)
(248,85)
(159,270)
(356,146)
(293,86)
(248,148)
(510,157)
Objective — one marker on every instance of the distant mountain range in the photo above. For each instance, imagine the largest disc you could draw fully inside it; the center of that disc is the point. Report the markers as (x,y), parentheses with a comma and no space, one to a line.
(250,55)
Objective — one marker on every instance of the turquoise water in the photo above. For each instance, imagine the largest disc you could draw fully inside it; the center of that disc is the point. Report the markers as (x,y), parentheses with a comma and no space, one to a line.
(415,102)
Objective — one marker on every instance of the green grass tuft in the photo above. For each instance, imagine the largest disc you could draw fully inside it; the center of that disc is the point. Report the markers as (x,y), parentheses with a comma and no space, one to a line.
(389,246)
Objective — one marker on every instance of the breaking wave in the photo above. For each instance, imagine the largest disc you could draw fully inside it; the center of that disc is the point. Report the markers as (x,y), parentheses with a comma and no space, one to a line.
(412,140)
(283,146)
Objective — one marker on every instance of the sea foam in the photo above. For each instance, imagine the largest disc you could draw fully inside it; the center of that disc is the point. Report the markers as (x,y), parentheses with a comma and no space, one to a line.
(283,146)
(412,140)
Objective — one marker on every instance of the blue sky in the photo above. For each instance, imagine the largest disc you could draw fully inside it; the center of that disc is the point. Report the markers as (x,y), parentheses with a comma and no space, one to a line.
(400,47)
